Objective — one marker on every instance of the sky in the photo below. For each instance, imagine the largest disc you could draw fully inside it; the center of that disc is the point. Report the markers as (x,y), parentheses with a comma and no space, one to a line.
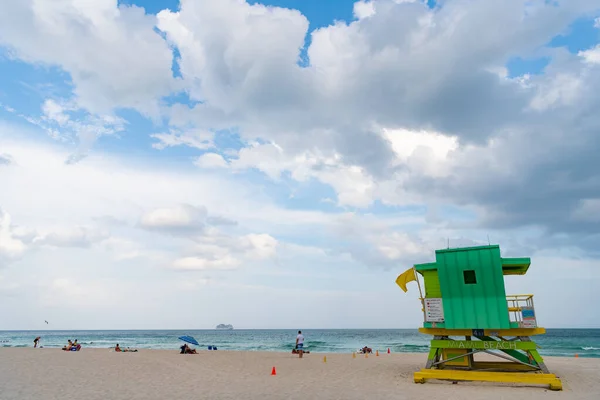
(172,164)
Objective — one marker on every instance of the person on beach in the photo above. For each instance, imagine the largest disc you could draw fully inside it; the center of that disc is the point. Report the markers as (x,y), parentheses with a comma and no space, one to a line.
(36,341)
(127,350)
(185,349)
(72,346)
(300,344)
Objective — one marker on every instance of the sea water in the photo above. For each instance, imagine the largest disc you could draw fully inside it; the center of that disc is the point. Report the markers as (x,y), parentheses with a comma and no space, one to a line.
(556,342)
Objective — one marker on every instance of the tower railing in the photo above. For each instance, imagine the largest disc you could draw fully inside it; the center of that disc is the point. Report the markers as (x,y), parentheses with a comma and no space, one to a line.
(521,310)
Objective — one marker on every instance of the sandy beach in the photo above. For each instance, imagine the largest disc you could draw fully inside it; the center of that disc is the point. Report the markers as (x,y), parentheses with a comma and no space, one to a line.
(27,373)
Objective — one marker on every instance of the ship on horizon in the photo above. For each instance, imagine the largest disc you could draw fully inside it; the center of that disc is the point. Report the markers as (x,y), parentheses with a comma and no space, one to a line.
(225,327)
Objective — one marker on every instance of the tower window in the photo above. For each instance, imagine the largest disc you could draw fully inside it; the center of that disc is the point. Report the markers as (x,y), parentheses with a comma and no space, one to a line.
(469,276)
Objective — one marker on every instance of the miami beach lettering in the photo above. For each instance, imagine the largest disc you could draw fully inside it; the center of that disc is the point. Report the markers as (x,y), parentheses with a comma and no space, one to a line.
(492,345)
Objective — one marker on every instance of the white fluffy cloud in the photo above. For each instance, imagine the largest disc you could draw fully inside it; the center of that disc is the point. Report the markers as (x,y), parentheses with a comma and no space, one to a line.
(591,56)
(10,247)
(201,264)
(70,237)
(211,160)
(215,250)
(112,53)
(5,159)
(422,152)
(196,138)
(183,217)
(405,69)
(363,9)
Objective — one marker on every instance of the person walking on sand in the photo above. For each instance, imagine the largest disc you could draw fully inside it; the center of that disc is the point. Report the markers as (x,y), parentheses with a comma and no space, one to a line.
(36,341)
(300,344)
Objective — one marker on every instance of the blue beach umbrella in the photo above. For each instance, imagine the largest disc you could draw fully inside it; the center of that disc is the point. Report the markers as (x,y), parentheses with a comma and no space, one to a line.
(190,340)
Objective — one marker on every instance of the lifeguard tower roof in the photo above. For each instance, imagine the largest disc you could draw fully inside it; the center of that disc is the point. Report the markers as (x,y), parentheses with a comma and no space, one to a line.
(510,266)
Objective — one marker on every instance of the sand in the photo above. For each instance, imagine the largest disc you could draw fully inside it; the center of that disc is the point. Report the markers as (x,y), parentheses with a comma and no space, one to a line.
(28,373)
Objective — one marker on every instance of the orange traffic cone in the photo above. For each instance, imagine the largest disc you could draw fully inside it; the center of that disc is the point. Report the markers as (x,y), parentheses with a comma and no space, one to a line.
(325,359)
(389,350)
(576,355)
(353,355)
(366,355)
(377,353)
(273,372)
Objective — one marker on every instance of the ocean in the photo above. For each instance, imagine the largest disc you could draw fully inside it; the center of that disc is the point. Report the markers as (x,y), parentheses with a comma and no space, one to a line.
(556,342)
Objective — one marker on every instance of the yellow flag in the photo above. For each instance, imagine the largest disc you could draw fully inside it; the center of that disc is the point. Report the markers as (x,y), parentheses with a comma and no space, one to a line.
(405,277)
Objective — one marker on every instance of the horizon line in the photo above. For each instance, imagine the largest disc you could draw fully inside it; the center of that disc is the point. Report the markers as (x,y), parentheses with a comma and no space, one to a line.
(242,329)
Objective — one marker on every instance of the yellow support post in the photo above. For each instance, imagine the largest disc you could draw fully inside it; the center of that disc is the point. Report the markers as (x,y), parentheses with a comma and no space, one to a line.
(510,377)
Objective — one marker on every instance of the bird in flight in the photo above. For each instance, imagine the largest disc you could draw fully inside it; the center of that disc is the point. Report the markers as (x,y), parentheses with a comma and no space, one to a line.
(46,322)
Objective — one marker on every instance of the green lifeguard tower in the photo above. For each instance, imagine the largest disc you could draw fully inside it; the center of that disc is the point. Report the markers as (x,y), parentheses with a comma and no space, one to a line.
(466,309)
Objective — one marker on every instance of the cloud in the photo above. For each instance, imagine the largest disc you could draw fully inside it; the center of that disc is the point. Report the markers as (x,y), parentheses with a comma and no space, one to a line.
(211,160)
(543,187)
(197,139)
(8,288)
(587,210)
(123,249)
(223,252)
(71,237)
(403,86)
(119,61)
(65,122)
(74,293)
(402,107)
(55,112)
(5,159)
(591,56)
(363,9)
(106,185)
(395,53)
(201,264)
(11,248)
(375,243)
(184,218)
(425,153)
(217,220)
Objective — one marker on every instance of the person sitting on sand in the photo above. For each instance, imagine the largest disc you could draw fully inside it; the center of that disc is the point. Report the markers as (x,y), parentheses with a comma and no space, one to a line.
(36,341)
(127,350)
(366,350)
(185,349)
(68,346)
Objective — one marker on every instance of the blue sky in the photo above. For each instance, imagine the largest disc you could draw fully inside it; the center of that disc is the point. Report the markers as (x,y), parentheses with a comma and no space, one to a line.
(224,151)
